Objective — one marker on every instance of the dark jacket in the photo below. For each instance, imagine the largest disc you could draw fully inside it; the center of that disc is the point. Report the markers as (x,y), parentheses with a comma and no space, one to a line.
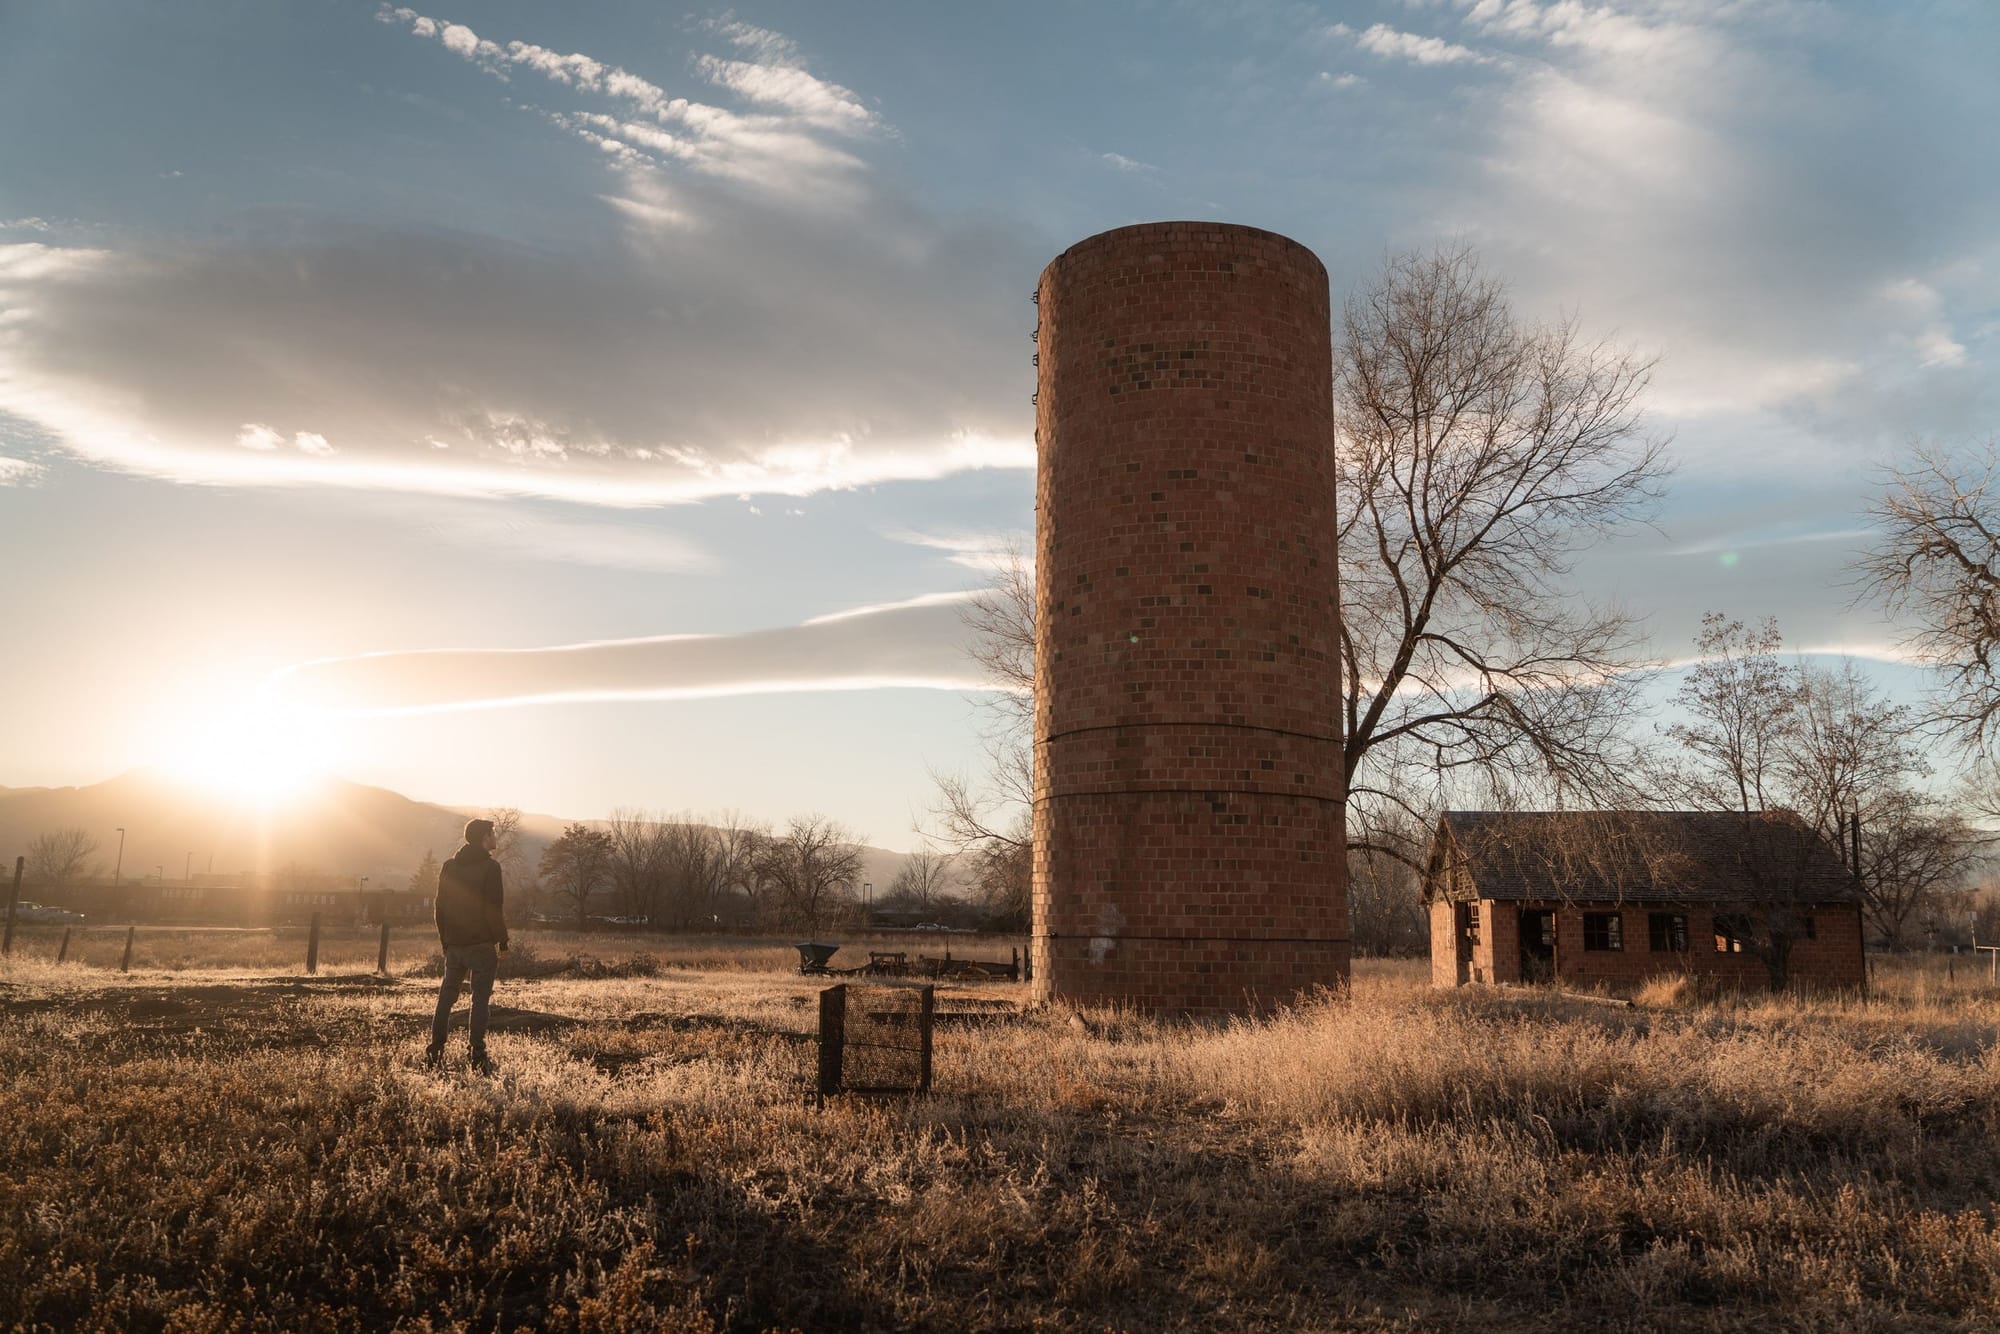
(469,900)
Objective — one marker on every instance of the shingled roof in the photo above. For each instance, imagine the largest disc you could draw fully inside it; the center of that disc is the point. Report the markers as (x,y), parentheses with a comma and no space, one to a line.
(1635,857)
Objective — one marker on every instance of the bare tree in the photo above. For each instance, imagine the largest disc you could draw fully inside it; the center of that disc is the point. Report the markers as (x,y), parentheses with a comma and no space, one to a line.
(923,881)
(507,831)
(424,880)
(1936,562)
(637,871)
(986,819)
(1915,855)
(1817,747)
(577,865)
(1740,701)
(739,842)
(57,856)
(1478,457)
(690,861)
(809,868)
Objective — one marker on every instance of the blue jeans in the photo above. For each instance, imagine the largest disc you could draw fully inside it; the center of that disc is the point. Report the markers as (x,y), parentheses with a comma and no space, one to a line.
(481,962)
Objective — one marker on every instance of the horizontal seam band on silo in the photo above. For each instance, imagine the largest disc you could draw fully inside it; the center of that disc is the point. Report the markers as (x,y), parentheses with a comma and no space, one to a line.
(1201,791)
(1198,940)
(1154,728)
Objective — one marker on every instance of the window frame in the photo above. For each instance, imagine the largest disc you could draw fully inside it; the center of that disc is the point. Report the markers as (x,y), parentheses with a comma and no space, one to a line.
(1609,932)
(1670,926)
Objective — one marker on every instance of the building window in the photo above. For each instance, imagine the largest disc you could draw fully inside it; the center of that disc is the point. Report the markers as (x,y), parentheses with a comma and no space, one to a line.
(1668,932)
(1603,931)
(1732,931)
(1472,924)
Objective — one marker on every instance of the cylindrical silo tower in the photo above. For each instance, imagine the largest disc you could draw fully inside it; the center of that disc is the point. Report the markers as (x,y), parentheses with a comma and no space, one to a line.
(1189,842)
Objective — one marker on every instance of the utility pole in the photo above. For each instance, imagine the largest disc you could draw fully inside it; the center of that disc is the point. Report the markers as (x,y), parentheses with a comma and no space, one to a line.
(121,857)
(187,869)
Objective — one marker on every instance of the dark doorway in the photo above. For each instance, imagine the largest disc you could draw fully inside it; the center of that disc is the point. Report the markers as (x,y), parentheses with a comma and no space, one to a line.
(1465,935)
(1538,945)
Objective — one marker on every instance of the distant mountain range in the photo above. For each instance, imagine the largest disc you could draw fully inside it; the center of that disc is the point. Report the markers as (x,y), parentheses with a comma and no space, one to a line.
(344,828)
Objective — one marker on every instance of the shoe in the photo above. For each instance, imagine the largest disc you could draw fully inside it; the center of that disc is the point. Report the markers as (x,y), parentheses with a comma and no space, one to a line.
(483,1063)
(433,1058)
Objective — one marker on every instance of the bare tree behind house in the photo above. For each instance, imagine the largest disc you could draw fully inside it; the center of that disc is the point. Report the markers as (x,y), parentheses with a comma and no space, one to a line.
(1739,699)
(577,866)
(810,869)
(1936,564)
(58,856)
(1916,857)
(1478,458)
(1821,746)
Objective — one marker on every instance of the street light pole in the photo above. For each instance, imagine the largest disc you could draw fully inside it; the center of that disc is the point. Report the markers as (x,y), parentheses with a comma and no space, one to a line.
(187,869)
(120,866)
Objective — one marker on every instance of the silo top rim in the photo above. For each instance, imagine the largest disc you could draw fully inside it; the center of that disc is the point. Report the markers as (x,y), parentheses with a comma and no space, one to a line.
(1181,231)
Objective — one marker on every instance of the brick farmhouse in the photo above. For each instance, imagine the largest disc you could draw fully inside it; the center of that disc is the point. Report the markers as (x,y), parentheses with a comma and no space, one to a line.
(1611,898)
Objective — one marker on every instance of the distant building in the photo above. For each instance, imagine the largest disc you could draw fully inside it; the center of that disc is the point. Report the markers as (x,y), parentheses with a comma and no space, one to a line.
(1612,898)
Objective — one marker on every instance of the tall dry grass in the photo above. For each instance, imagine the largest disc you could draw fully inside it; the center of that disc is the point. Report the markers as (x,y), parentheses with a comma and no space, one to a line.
(1401,1158)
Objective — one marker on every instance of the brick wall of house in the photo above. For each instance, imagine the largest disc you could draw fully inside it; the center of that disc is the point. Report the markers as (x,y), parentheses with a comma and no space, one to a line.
(1190,853)
(1444,943)
(1831,959)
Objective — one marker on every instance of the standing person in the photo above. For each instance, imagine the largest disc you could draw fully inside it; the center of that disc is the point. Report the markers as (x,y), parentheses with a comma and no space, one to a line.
(472,927)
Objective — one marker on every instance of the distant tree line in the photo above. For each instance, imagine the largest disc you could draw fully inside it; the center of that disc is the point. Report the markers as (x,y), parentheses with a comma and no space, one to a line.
(685,873)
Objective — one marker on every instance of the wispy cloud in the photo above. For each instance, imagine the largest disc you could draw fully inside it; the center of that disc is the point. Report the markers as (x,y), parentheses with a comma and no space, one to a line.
(985,552)
(778,148)
(19,472)
(1393,44)
(916,644)
(1119,162)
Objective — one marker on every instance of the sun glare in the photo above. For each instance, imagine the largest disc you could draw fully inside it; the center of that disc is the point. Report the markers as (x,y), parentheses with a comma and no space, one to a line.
(263,754)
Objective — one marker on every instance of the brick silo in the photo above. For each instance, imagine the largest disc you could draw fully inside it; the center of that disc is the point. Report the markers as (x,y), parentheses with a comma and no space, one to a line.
(1189,840)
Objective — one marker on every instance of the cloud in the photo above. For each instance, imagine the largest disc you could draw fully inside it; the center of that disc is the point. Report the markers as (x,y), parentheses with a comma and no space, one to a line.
(19,472)
(1346,80)
(1119,162)
(517,531)
(736,336)
(985,552)
(1390,43)
(916,644)
(1677,172)
(780,150)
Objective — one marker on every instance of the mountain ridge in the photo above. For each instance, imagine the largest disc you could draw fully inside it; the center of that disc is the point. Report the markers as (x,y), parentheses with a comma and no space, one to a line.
(336,826)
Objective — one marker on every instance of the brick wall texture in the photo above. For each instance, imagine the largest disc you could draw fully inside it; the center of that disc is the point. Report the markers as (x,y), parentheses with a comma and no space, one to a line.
(1189,843)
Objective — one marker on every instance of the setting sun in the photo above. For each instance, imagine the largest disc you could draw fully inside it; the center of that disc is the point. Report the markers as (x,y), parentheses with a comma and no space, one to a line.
(263,753)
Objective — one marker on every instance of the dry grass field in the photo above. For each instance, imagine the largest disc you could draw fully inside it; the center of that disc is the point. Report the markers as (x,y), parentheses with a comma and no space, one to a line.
(216,1142)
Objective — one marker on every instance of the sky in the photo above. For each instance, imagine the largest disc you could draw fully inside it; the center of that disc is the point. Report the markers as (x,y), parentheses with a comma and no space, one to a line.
(621,398)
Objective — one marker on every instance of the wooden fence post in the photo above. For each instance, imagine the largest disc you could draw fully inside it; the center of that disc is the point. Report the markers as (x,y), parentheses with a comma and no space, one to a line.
(312,946)
(62,955)
(130,932)
(924,1041)
(832,1036)
(13,901)
(382,951)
